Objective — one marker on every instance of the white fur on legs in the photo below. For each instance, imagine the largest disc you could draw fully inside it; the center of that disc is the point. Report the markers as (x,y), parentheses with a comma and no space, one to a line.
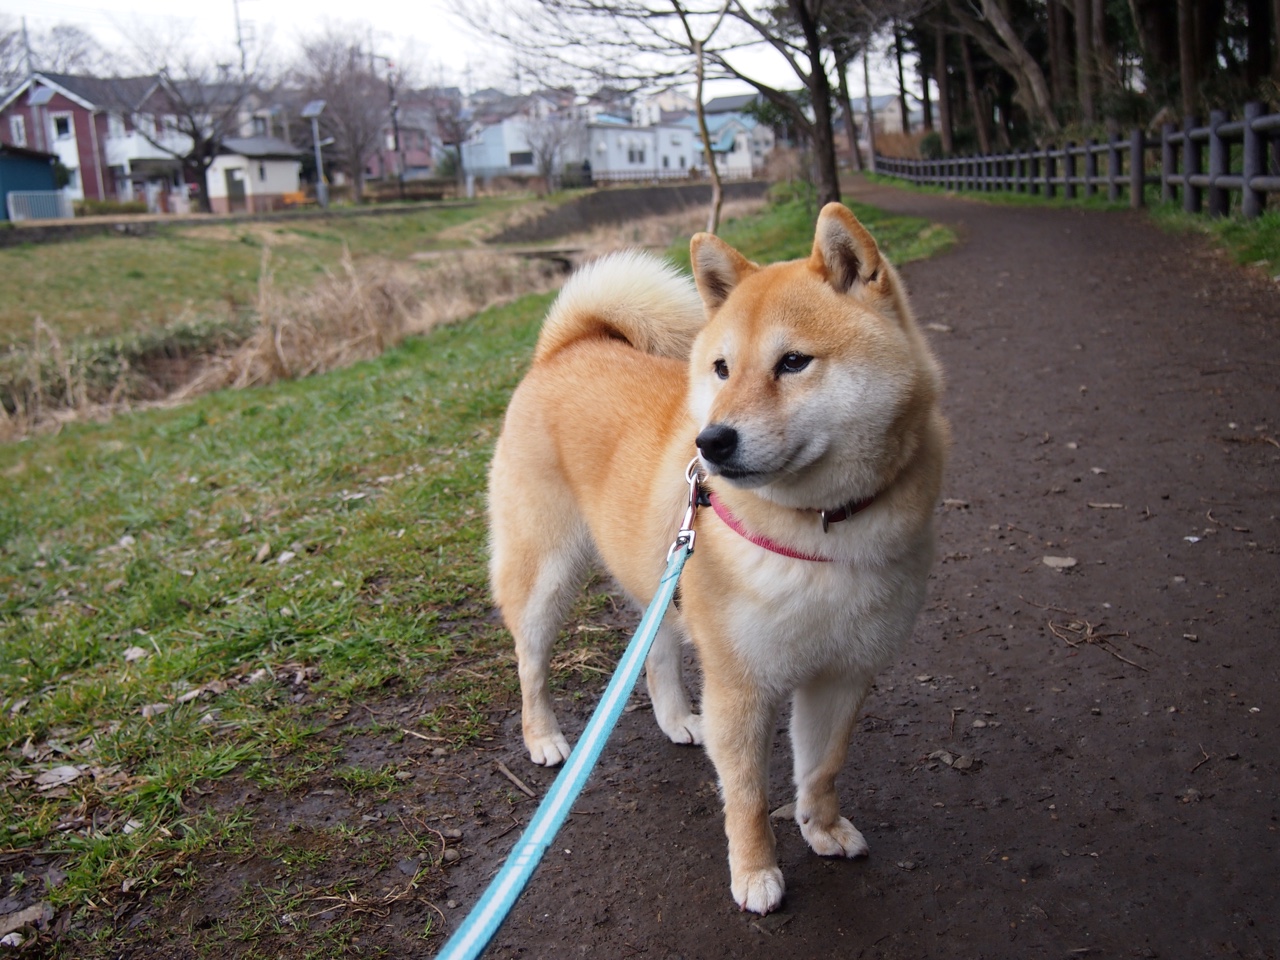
(664,677)
(539,622)
(759,891)
(822,719)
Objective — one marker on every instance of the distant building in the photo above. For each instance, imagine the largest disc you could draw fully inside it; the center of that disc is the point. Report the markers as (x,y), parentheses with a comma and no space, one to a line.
(253,174)
(117,137)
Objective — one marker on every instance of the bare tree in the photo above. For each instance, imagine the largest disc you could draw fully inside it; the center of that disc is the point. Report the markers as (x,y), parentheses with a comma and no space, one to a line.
(191,105)
(338,71)
(63,48)
(66,48)
(13,55)
(549,136)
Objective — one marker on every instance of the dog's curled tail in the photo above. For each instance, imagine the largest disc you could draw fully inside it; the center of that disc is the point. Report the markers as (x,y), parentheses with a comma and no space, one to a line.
(632,296)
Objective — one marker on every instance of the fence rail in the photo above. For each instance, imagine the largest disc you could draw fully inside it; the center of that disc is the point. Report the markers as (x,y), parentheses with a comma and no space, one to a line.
(1130,164)
(38,205)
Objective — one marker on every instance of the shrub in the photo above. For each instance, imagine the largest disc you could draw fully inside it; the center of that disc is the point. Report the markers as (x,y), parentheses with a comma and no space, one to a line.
(109,208)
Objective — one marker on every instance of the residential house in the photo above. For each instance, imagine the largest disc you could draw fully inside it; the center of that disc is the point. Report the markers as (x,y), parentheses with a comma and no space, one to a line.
(253,174)
(117,137)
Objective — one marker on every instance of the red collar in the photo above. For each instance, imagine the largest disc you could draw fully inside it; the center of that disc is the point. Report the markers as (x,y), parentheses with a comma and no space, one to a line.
(828,516)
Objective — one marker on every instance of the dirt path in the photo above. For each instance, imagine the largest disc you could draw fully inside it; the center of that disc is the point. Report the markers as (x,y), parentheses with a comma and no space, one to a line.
(1113,391)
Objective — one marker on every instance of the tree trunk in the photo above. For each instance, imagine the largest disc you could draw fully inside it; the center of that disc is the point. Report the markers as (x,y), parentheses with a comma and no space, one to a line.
(1057,52)
(824,147)
(1037,89)
(1103,61)
(1156,22)
(1084,63)
(944,89)
(975,103)
(717,189)
(926,101)
(846,105)
(1188,63)
(870,113)
(1258,64)
(1275,29)
(903,109)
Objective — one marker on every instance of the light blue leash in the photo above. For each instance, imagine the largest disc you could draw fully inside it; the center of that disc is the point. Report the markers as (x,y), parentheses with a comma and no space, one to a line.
(482,923)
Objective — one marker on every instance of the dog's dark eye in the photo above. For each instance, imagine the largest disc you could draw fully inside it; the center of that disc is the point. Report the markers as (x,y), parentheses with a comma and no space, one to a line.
(792,363)
(722,369)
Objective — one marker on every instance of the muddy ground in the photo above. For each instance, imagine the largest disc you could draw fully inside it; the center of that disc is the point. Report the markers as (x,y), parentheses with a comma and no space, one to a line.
(1113,393)
(1062,763)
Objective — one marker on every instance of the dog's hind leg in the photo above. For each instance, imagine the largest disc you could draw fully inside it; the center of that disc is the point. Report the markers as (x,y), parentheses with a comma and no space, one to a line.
(663,674)
(534,583)
(822,719)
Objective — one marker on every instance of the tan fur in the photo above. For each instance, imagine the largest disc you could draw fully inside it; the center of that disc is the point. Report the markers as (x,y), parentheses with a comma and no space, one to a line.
(818,371)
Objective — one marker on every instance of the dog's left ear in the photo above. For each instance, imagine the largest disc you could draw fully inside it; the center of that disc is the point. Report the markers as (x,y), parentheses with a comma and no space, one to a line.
(717,268)
(843,251)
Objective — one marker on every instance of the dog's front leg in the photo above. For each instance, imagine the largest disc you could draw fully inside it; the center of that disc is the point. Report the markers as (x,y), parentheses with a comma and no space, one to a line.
(822,719)
(738,724)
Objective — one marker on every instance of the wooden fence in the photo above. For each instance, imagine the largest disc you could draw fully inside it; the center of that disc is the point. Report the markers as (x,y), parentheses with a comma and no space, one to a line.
(1179,168)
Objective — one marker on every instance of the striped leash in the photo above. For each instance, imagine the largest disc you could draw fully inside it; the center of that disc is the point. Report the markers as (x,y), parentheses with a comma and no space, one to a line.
(482,923)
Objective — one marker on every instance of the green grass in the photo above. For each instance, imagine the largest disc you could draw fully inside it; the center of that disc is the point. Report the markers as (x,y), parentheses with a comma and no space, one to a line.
(786,232)
(205,593)
(1254,243)
(191,274)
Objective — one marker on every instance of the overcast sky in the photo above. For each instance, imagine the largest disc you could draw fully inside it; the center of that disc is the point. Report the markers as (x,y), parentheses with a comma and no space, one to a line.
(444,49)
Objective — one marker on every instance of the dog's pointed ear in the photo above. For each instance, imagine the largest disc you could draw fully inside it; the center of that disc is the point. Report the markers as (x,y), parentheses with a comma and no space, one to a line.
(717,268)
(844,253)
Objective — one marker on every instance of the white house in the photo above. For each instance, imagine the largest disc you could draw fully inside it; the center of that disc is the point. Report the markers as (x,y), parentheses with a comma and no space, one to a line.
(622,151)
(252,175)
(739,142)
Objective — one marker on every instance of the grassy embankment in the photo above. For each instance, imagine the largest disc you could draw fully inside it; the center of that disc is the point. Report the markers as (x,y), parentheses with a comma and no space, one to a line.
(208,594)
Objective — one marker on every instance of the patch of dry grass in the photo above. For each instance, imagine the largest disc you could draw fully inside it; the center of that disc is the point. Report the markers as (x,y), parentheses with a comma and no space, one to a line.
(350,314)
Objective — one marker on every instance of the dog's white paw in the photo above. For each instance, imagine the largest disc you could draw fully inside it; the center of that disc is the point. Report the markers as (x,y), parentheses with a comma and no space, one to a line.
(682,728)
(842,839)
(548,751)
(759,891)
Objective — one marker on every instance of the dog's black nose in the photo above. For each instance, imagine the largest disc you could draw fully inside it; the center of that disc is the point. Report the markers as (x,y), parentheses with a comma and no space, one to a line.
(718,443)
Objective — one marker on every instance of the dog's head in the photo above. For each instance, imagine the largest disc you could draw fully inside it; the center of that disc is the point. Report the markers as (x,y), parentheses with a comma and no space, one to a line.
(810,381)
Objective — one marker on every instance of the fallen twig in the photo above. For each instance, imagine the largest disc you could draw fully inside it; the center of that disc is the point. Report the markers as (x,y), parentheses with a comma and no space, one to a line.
(524,788)
(1202,762)
(1081,631)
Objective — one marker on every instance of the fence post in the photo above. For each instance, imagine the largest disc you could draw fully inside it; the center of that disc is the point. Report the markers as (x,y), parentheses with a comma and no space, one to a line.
(1047,170)
(1219,199)
(1113,167)
(1090,167)
(1166,163)
(1069,170)
(1254,159)
(1190,167)
(1137,169)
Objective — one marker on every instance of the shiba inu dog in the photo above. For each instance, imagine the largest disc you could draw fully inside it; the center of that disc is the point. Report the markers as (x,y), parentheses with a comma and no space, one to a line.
(810,397)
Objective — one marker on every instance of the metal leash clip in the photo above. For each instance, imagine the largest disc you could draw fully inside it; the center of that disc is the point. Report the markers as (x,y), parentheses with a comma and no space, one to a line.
(685,535)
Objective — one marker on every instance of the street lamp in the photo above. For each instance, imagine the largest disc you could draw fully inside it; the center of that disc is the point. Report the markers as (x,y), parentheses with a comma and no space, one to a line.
(312,112)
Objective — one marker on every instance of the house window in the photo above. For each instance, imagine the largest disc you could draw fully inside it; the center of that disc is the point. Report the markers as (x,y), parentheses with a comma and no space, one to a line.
(666,162)
(521,159)
(62,126)
(262,171)
(259,126)
(115,125)
(18,131)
